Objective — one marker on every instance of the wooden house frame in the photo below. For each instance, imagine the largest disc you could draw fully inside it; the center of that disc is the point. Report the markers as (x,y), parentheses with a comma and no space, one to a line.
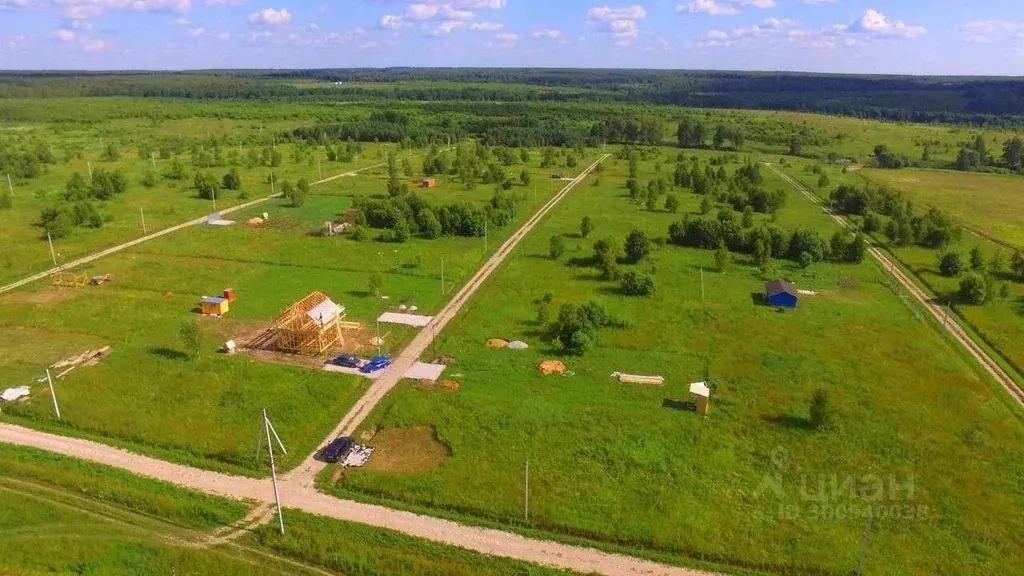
(310,326)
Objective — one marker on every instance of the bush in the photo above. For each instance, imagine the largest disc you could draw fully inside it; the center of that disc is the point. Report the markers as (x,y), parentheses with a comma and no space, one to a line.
(821,410)
(556,247)
(977,259)
(149,180)
(429,225)
(805,259)
(58,222)
(586,226)
(576,326)
(191,338)
(723,258)
(634,284)
(638,246)
(950,265)
(672,203)
(973,289)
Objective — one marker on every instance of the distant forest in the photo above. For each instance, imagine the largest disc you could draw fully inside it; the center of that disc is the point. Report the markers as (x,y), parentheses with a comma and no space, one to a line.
(978,101)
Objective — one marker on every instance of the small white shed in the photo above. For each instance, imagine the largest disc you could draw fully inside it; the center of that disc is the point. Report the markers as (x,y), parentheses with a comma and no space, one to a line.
(700,395)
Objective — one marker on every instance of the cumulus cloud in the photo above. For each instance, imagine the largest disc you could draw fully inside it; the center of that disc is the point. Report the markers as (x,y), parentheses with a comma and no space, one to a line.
(391,21)
(270,17)
(621,24)
(985,31)
(874,23)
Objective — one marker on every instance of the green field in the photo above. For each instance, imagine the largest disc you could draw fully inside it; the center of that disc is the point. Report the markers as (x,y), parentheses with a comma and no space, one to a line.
(987,203)
(67,516)
(625,464)
(148,395)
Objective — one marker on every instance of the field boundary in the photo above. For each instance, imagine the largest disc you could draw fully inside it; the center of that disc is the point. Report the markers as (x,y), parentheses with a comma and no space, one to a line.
(951,324)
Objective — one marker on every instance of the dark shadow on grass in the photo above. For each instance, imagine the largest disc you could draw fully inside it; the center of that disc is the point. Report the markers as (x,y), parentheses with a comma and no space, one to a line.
(580,262)
(610,290)
(168,354)
(758,299)
(358,293)
(792,422)
(680,405)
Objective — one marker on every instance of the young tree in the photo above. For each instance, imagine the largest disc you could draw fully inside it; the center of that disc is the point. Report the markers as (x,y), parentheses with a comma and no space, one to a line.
(1017,263)
(556,247)
(429,225)
(977,259)
(723,258)
(973,289)
(288,190)
(822,182)
(524,177)
(191,338)
(706,205)
(857,249)
(821,410)
(672,203)
(299,193)
(652,200)
(376,284)
(950,265)
(111,153)
(605,256)
(149,179)
(996,265)
(586,226)
(638,246)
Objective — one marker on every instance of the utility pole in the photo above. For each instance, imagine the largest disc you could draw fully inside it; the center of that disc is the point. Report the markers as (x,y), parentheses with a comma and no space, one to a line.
(53,255)
(864,544)
(10,187)
(143,215)
(526,493)
(702,284)
(52,395)
(318,169)
(152,159)
(378,336)
(213,194)
(89,166)
(273,469)
(442,276)
(485,236)
(272,183)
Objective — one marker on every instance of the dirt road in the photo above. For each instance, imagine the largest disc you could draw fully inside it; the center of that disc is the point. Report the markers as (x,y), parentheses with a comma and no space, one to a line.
(936,310)
(306,472)
(164,232)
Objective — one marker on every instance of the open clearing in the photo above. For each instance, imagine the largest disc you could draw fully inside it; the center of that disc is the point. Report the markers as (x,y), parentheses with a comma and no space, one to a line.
(624,464)
(992,204)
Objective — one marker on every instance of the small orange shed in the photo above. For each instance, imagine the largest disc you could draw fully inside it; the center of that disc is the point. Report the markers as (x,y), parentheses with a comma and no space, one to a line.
(428,183)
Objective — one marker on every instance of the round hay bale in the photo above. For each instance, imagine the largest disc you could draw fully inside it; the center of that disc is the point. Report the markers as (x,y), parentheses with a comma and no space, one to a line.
(497,343)
(549,367)
(449,385)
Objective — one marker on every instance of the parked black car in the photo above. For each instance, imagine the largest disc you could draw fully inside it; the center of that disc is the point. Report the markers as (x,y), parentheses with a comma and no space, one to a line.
(346,360)
(338,449)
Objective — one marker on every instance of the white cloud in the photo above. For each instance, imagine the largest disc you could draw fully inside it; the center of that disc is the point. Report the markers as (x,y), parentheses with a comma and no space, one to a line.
(391,22)
(486,26)
(813,2)
(723,7)
(507,38)
(450,13)
(446,27)
(421,11)
(65,35)
(270,17)
(619,23)
(875,23)
(551,33)
(224,36)
(94,45)
(196,32)
(181,21)
(987,31)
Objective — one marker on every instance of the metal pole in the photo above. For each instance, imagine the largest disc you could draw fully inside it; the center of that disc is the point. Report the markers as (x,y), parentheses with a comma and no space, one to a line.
(213,194)
(89,166)
(378,337)
(272,183)
(864,544)
(53,254)
(276,437)
(318,169)
(10,187)
(442,276)
(485,236)
(152,159)
(273,470)
(702,284)
(526,493)
(52,395)
(143,215)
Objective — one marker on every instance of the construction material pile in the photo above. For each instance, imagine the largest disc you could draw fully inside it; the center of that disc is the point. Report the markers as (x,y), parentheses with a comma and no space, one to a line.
(358,456)
(87,358)
(637,379)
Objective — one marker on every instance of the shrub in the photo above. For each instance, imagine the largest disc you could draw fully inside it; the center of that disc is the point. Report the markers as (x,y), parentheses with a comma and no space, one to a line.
(556,247)
(723,258)
(586,226)
(191,338)
(638,246)
(950,265)
(429,225)
(672,203)
(977,259)
(634,284)
(973,289)
(821,410)
(805,259)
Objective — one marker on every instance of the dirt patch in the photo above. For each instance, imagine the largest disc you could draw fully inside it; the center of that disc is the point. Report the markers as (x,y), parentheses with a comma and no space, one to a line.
(549,367)
(497,343)
(854,167)
(408,451)
(43,298)
(446,360)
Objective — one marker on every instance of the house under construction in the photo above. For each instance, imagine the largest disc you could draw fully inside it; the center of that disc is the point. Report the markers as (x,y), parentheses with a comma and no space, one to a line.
(310,326)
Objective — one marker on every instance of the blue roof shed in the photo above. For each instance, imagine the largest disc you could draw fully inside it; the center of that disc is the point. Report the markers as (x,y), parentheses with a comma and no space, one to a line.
(781,294)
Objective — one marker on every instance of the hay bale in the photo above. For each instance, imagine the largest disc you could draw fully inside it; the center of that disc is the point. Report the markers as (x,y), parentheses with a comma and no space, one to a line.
(449,385)
(497,343)
(549,367)
(518,345)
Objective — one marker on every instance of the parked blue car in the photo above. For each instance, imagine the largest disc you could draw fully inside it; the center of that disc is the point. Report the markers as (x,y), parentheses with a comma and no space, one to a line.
(375,364)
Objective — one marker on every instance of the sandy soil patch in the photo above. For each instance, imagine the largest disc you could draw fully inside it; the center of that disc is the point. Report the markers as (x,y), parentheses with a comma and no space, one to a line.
(43,298)
(408,450)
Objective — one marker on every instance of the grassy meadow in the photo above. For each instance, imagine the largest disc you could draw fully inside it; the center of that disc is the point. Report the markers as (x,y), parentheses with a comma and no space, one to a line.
(628,464)
(150,396)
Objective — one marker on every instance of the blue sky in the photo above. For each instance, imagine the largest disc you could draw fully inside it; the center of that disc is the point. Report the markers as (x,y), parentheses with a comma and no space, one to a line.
(865,36)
